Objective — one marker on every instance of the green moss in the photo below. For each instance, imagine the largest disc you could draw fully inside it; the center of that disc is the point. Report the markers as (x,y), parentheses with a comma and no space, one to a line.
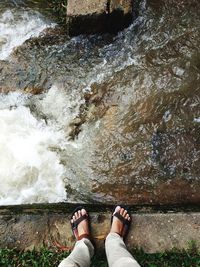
(47,258)
(59,8)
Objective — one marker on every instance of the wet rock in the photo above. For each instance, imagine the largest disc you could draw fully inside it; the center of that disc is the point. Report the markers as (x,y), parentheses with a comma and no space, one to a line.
(147,151)
(49,36)
(19,76)
(98,16)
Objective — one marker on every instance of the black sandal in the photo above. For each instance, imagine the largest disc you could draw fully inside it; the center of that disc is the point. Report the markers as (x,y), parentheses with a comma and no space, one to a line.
(126,223)
(75,224)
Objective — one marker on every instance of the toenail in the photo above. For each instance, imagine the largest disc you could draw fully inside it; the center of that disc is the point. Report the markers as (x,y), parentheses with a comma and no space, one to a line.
(83,211)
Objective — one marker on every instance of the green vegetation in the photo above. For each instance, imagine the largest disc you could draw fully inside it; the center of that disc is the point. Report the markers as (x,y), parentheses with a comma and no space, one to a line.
(59,9)
(46,258)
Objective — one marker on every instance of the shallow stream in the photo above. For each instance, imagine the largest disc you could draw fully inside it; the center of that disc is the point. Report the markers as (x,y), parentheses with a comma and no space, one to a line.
(100,118)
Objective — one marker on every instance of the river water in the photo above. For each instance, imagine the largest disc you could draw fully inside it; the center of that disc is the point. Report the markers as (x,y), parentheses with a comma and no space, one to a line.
(100,118)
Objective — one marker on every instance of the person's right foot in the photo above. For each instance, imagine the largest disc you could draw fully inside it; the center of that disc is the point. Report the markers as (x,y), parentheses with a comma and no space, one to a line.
(80,220)
(121,219)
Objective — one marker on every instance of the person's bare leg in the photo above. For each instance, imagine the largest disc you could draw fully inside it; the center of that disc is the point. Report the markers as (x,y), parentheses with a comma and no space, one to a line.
(116,251)
(83,250)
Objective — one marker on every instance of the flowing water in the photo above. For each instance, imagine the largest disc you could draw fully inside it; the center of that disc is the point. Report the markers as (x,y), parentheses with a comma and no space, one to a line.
(100,118)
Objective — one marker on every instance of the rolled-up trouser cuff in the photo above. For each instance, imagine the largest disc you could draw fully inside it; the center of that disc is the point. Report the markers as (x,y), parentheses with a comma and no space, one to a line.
(117,253)
(80,256)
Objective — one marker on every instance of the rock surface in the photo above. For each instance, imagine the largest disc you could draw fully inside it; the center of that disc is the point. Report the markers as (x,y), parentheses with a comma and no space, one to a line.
(98,16)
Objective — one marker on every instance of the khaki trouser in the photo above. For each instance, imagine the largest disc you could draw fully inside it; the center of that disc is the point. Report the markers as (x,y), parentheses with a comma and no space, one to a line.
(116,252)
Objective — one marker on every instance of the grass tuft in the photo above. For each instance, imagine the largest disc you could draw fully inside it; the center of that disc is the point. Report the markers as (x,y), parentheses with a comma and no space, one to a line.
(59,8)
(48,258)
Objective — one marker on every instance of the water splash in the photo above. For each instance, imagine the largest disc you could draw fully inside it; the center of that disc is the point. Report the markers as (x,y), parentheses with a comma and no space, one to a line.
(30,168)
(17,27)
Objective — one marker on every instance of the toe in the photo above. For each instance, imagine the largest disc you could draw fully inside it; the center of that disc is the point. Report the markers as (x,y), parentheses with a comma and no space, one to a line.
(125,212)
(79,214)
(117,209)
(122,211)
(127,217)
(83,212)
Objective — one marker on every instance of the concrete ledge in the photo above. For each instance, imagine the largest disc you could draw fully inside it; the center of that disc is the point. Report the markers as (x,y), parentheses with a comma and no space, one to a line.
(28,227)
(97,16)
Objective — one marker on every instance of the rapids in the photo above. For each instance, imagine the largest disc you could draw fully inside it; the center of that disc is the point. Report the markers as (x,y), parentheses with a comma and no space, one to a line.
(100,118)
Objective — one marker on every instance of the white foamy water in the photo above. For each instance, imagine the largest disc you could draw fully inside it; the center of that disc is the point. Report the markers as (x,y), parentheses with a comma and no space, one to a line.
(30,167)
(196,119)
(60,107)
(16,28)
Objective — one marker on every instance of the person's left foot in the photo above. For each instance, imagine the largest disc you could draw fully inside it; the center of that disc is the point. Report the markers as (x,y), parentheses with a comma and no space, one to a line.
(121,221)
(80,224)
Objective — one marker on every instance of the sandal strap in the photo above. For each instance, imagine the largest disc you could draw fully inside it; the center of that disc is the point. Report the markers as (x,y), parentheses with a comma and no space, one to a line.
(122,219)
(84,236)
(76,223)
